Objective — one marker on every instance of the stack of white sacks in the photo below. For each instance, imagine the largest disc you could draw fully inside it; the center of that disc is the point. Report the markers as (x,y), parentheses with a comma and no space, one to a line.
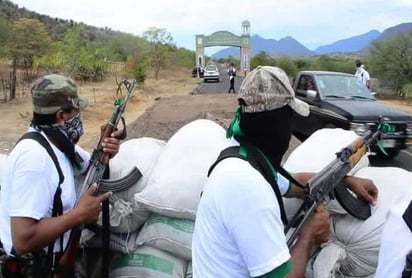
(353,248)
(152,223)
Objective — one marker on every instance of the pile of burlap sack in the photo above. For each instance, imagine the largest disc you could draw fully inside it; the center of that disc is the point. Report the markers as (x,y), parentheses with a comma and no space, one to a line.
(152,222)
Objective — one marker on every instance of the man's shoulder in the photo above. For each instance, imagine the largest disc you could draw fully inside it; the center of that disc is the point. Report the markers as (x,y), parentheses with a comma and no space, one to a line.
(29,149)
(237,174)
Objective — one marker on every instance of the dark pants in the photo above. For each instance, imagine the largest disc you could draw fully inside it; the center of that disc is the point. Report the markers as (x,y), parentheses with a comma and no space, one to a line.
(232,86)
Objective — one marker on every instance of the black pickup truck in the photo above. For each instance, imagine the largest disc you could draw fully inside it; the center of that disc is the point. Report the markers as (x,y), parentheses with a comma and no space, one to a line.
(340,100)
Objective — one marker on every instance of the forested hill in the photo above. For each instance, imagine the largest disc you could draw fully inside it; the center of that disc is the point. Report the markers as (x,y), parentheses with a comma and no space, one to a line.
(56,26)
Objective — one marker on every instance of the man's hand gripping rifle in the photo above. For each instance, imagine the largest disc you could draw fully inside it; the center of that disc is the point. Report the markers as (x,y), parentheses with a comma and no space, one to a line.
(99,160)
(326,185)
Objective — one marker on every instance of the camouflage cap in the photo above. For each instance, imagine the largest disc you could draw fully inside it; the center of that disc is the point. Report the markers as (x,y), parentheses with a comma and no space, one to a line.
(267,88)
(50,92)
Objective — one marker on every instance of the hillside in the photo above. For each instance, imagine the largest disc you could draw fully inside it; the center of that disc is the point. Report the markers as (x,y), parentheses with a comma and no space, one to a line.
(56,26)
(395,30)
(352,44)
(286,46)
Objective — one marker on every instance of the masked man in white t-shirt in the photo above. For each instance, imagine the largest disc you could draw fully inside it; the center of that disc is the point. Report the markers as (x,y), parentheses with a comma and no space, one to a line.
(239,230)
(30,187)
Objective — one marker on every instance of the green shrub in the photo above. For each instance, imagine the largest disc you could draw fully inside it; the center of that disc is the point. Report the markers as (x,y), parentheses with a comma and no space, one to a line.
(407,89)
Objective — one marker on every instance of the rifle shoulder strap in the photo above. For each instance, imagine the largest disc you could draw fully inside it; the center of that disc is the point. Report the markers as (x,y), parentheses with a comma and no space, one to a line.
(407,216)
(57,202)
(39,138)
(257,161)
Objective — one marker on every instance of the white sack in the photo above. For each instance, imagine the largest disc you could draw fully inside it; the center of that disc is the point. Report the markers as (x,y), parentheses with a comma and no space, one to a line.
(124,243)
(353,250)
(320,149)
(125,214)
(170,234)
(359,241)
(147,262)
(177,181)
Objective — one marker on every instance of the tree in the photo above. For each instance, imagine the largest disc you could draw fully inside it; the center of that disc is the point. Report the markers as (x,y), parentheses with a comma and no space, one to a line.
(124,46)
(136,68)
(391,60)
(5,34)
(288,66)
(262,59)
(161,46)
(29,39)
(83,57)
(183,57)
(54,61)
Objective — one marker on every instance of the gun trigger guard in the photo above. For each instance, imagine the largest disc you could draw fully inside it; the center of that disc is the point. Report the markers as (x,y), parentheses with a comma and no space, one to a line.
(123,135)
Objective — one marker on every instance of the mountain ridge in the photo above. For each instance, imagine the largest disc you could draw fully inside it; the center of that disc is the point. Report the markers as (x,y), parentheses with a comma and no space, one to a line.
(290,47)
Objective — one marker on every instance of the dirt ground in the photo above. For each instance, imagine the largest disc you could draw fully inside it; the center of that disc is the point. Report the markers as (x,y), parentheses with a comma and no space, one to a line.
(157,109)
(16,115)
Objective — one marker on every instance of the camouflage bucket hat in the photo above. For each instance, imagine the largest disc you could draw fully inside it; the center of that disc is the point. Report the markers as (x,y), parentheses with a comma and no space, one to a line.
(267,88)
(50,92)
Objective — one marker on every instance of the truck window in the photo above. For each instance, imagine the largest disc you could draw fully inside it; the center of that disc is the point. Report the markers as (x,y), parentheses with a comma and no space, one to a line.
(306,83)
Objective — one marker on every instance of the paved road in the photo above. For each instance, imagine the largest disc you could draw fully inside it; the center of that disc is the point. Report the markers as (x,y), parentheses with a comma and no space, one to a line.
(222,86)
(403,160)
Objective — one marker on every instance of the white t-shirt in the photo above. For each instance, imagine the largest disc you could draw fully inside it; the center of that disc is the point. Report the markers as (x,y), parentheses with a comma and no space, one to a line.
(29,182)
(396,242)
(238,229)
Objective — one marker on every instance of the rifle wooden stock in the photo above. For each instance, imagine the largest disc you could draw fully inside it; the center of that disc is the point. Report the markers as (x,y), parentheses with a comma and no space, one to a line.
(105,157)
(68,260)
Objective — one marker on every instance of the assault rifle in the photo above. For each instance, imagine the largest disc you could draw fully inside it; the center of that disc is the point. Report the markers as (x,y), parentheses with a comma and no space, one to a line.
(327,185)
(98,166)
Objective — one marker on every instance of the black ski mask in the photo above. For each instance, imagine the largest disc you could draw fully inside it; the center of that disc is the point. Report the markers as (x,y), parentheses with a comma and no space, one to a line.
(270,131)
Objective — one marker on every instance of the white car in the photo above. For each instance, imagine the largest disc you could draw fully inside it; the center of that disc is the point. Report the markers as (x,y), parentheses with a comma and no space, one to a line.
(211,72)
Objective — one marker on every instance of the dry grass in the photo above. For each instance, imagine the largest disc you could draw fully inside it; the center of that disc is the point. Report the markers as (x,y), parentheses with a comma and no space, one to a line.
(16,115)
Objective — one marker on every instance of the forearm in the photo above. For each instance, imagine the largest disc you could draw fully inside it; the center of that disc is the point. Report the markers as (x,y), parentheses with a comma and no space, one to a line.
(300,255)
(296,191)
(29,235)
(303,178)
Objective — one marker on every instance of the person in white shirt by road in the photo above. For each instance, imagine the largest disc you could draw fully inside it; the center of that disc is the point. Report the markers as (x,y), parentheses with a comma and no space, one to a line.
(363,74)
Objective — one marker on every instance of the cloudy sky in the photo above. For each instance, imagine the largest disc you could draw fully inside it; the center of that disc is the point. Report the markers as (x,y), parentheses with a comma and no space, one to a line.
(312,22)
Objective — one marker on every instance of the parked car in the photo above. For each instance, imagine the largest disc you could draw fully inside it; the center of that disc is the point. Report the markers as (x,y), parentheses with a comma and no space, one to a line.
(340,100)
(195,70)
(211,73)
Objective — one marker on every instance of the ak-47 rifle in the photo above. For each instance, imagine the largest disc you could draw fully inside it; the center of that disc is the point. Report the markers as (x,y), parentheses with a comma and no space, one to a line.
(98,165)
(327,185)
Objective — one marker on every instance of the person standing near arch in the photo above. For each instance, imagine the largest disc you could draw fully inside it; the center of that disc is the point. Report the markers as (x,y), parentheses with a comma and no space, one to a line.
(232,74)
